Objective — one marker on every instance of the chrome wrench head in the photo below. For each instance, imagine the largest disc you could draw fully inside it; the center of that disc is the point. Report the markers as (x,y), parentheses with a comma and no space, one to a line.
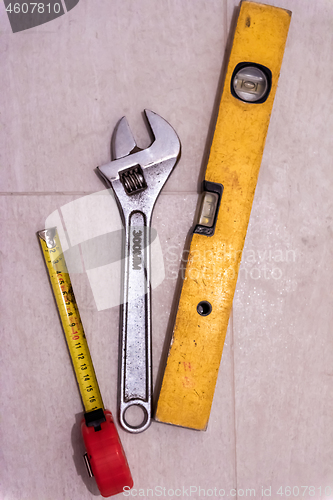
(137,178)
(164,151)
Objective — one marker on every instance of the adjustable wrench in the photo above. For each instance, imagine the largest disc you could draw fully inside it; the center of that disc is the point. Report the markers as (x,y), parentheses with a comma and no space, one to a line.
(137,178)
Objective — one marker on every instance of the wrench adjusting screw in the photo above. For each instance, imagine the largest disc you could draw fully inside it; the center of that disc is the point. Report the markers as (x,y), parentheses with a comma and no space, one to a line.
(133,180)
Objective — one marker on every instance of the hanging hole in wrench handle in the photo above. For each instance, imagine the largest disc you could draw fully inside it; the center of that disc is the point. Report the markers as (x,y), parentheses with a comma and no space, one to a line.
(135,416)
(136,326)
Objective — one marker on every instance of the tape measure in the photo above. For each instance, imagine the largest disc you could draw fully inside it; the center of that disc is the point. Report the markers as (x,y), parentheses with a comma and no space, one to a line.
(195,352)
(105,458)
(70,320)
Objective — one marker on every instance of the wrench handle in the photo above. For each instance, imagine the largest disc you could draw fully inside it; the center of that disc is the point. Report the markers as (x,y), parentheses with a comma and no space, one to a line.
(136,359)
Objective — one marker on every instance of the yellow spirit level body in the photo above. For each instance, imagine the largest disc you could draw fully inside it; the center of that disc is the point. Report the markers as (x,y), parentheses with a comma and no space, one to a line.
(70,319)
(211,274)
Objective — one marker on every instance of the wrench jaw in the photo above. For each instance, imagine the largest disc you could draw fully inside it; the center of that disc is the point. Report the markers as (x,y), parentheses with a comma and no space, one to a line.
(137,178)
(166,146)
(122,142)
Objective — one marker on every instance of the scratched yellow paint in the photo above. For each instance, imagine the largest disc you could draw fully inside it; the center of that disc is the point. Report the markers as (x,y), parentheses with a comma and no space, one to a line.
(196,348)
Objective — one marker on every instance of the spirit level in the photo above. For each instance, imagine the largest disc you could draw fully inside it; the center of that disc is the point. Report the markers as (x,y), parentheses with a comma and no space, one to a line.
(105,457)
(215,252)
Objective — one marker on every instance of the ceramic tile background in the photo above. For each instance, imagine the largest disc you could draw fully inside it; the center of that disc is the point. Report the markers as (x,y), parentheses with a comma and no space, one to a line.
(64,85)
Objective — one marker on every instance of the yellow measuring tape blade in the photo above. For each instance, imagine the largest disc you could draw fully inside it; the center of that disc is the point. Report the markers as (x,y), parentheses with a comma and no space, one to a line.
(211,274)
(70,319)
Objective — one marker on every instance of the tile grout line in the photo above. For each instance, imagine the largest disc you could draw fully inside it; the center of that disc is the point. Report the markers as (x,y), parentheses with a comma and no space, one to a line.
(226,38)
(74,193)
(231,322)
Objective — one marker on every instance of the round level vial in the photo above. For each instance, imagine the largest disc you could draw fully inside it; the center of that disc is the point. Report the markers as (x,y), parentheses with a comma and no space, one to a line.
(250,84)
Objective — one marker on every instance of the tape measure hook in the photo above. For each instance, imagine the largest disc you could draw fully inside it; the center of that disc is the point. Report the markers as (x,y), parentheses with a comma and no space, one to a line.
(48,235)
